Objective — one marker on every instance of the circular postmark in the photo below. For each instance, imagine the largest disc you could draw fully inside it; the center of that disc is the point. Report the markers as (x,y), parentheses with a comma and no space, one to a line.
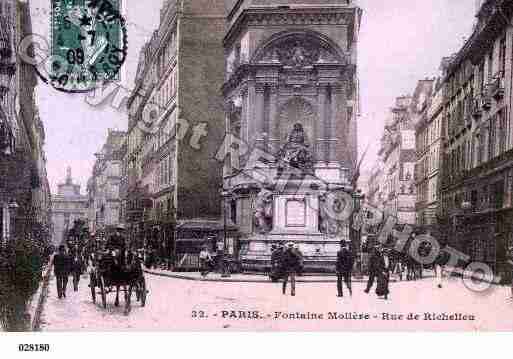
(88,45)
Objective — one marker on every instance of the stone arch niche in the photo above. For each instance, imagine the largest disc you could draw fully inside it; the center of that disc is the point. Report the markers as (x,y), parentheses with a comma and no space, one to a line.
(294,111)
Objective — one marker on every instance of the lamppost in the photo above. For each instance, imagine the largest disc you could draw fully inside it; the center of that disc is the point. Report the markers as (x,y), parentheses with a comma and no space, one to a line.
(356,227)
(225,193)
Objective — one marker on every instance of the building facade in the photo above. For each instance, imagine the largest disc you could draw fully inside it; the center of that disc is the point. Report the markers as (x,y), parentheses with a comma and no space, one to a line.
(103,187)
(175,125)
(68,205)
(24,190)
(374,195)
(477,179)
(291,94)
(397,154)
(428,126)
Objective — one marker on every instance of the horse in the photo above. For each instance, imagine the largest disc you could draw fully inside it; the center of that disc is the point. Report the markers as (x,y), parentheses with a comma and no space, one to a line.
(125,276)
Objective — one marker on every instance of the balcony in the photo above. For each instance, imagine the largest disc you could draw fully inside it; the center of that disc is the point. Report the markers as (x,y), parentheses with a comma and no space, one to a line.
(497,87)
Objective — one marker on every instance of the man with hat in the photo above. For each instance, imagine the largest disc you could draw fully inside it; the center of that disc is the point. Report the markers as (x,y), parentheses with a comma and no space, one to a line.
(510,260)
(206,260)
(345,262)
(61,267)
(375,264)
(291,263)
(116,245)
(276,262)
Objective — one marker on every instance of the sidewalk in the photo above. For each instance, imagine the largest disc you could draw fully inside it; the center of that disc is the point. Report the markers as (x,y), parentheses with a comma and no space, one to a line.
(249,278)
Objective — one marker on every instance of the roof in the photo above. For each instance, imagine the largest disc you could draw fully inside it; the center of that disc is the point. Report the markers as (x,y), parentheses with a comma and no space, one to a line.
(204,225)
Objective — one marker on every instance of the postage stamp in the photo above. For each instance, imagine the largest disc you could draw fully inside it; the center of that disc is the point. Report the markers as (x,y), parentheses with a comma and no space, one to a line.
(88,43)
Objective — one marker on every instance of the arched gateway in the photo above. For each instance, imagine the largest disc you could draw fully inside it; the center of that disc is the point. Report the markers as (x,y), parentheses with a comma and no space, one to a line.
(291,95)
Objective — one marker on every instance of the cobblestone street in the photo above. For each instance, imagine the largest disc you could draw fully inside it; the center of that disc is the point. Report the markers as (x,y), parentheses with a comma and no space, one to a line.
(175,304)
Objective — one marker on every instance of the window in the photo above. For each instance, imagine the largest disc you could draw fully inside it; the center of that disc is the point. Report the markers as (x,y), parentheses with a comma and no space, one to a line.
(502,131)
(492,138)
(233,211)
(166,170)
(481,77)
(497,193)
(502,57)
(171,170)
(490,65)
(480,151)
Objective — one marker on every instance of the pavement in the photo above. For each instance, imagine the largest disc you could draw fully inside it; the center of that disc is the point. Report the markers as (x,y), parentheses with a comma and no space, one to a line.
(245,278)
(189,305)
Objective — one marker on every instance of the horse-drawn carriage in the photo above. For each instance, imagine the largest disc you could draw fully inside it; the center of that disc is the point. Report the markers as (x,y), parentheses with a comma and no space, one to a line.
(109,273)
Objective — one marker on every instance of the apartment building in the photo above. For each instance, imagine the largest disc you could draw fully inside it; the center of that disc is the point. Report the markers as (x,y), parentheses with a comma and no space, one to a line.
(477,180)
(176,123)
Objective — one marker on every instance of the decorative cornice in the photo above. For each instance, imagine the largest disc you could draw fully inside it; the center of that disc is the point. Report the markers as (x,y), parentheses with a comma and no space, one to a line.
(287,17)
(315,18)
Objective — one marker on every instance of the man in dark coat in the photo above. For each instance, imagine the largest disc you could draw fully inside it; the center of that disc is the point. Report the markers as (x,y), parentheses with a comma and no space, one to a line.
(383,274)
(116,245)
(375,265)
(61,268)
(345,262)
(291,263)
(76,270)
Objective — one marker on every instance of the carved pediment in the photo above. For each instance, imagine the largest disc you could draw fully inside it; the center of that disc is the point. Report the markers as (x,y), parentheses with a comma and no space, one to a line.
(298,52)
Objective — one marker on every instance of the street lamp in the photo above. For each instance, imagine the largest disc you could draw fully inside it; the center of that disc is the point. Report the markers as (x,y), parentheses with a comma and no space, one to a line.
(358,198)
(225,193)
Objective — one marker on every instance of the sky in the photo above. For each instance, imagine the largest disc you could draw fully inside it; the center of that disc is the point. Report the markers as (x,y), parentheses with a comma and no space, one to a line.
(401,41)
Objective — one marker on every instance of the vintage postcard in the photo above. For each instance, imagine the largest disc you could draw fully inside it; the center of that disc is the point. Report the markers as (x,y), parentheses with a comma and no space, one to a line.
(255,165)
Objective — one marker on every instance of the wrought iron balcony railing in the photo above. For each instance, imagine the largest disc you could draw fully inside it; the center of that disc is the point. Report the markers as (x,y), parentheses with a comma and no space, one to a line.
(497,87)
(486,99)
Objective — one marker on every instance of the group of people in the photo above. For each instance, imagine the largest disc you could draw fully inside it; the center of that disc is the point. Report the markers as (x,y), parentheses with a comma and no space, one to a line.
(287,263)
(67,263)
(211,261)
(74,260)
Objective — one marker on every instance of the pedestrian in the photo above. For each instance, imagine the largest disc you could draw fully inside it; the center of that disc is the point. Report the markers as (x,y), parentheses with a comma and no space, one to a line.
(374,264)
(345,262)
(291,264)
(205,261)
(61,267)
(301,259)
(510,259)
(277,252)
(398,267)
(383,274)
(76,270)
(438,267)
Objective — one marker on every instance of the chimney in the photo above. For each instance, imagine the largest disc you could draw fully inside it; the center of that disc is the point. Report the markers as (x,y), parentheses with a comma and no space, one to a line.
(478,4)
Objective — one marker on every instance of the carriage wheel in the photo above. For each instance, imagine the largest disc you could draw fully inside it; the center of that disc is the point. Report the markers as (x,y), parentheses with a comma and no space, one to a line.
(128,295)
(103,293)
(142,288)
(92,285)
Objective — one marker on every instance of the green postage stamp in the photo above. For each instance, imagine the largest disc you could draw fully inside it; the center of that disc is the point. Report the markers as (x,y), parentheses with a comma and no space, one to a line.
(88,43)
